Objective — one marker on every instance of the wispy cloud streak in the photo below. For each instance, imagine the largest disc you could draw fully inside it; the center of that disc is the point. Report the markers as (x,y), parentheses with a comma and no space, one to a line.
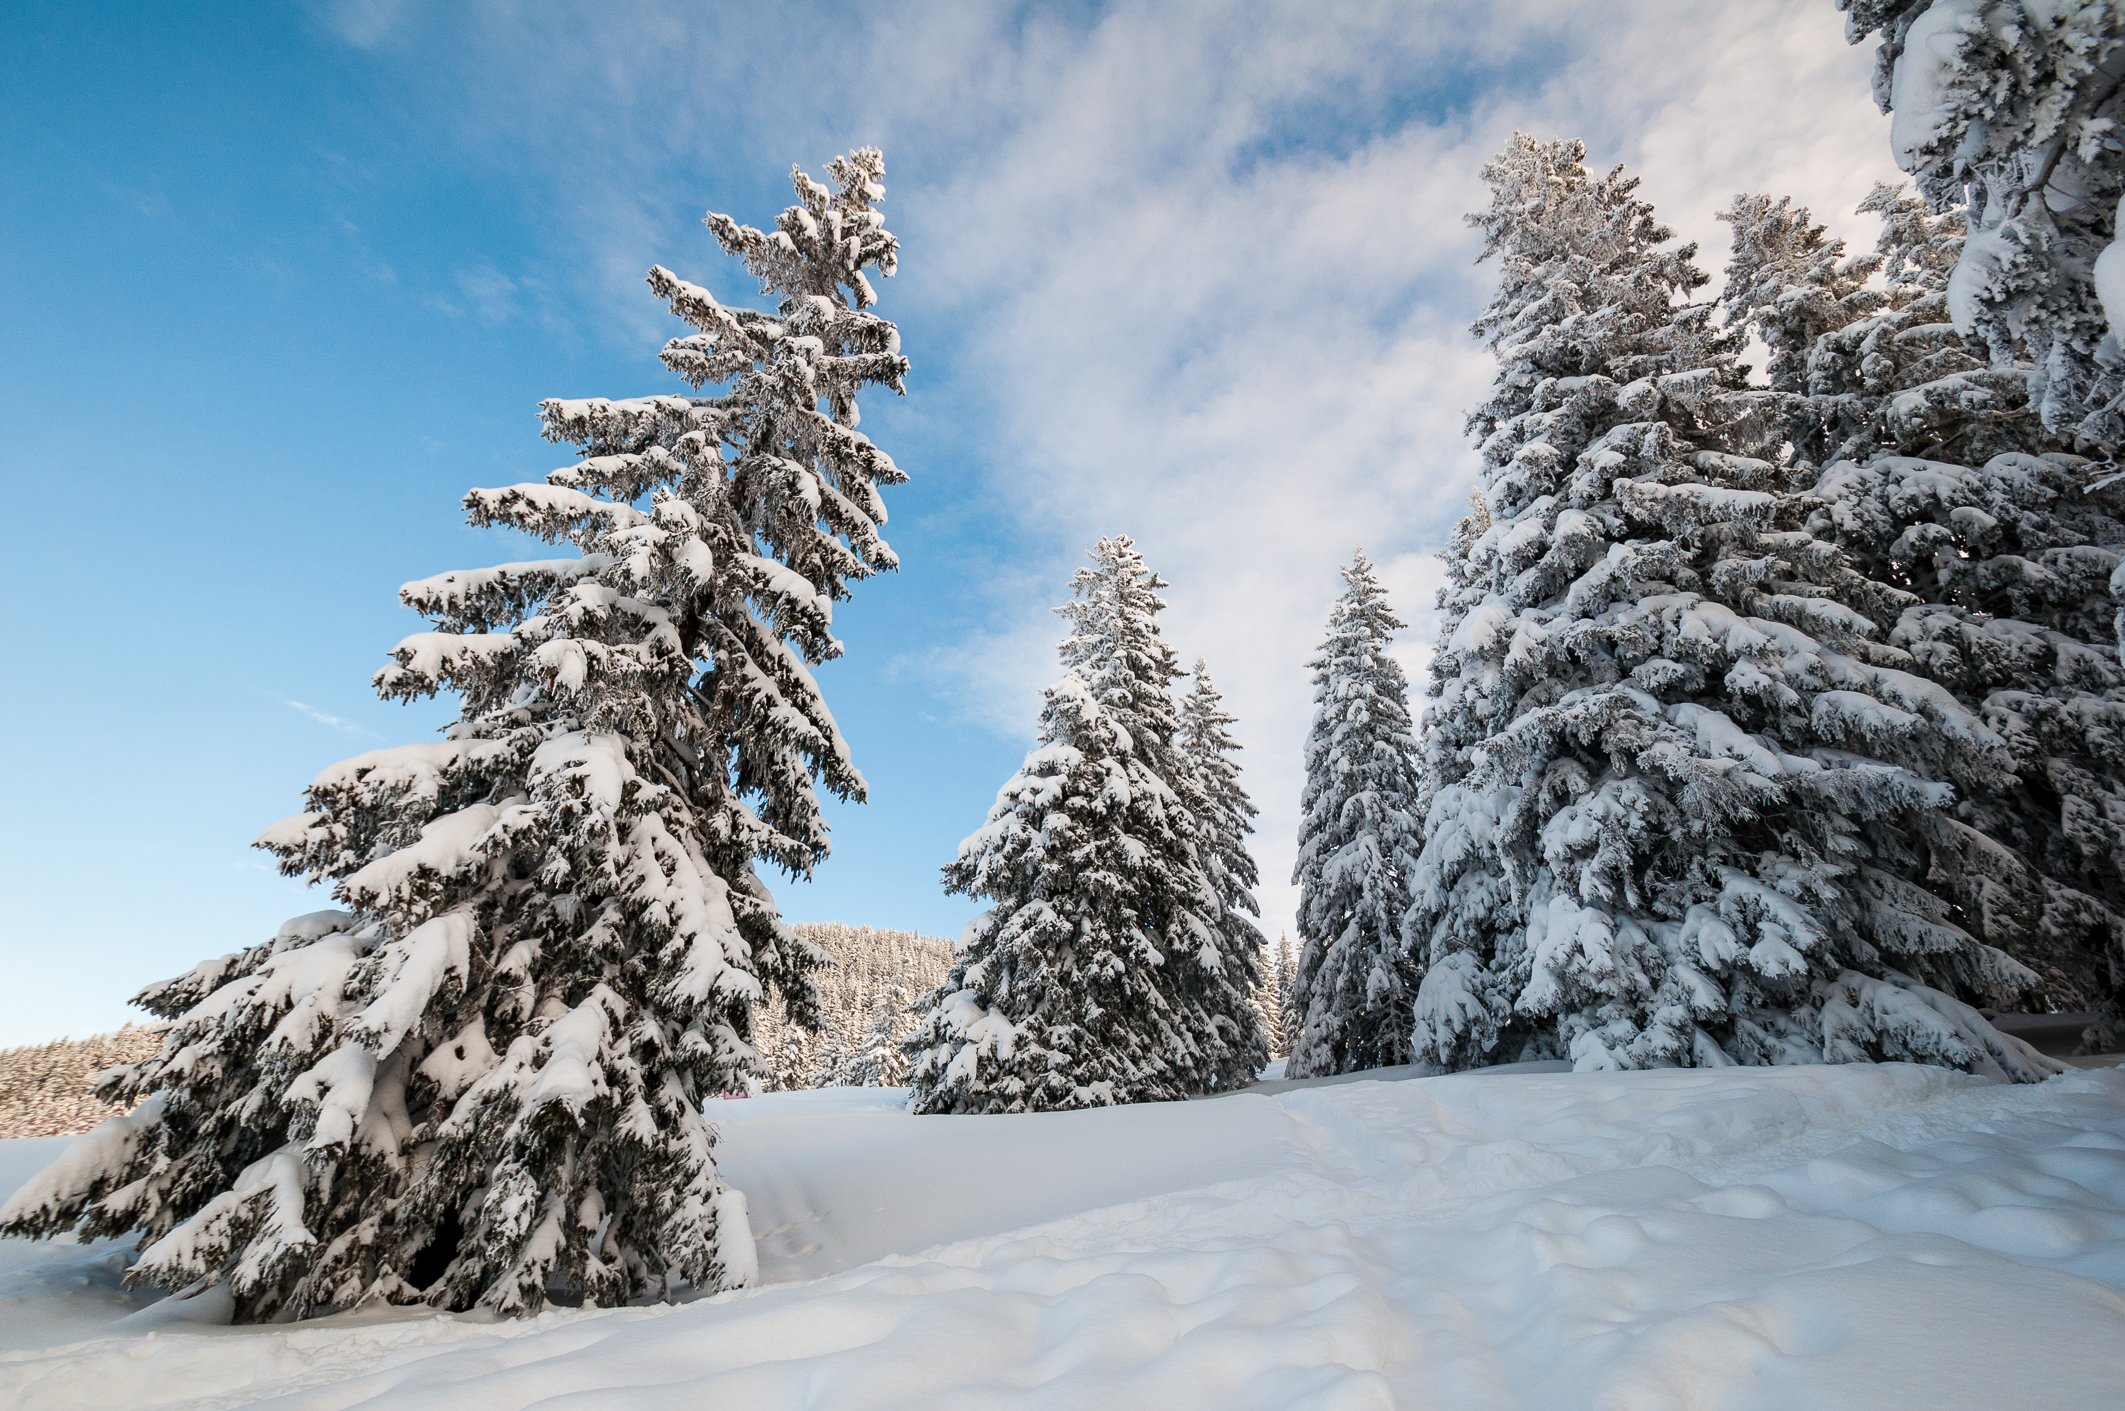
(345,727)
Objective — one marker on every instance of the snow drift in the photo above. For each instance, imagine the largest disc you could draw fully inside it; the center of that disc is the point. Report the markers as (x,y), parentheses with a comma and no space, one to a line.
(1854,1235)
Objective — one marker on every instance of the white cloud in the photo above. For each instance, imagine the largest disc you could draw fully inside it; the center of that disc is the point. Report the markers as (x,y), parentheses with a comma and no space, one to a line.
(362,23)
(1251,361)
(491,293)
(1413,581)
(1203,266)
(345,727)
(990,677)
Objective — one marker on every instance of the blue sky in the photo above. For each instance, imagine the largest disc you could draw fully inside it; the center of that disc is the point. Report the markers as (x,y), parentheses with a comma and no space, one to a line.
(280,283)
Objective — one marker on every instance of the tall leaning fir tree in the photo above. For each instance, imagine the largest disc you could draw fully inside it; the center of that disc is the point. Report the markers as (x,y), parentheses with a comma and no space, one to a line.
(1359,834)
(481,1082)
(1679,787)
(1100,975)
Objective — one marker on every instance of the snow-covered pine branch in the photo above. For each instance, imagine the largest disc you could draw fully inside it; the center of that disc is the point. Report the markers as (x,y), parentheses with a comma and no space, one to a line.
(1872,368)
(1682,791)
(1101,973)
(482,1080)
(2010,109)
(1359,833)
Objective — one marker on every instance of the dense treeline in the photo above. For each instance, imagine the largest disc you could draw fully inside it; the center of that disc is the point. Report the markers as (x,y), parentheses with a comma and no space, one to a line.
(867,989)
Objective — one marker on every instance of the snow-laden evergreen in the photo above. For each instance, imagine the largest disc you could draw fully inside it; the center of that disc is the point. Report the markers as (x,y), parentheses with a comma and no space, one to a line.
(876,1059)
(1795,283)
(1680,792)
(1359,833)
(482,1080)
(1269,997)
(1224,820)
(1992,565)
(1282,1020)
(2010,109)
(1100,975)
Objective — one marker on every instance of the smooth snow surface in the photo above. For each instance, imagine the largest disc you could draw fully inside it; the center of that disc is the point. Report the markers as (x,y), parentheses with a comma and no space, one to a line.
(1851,1236)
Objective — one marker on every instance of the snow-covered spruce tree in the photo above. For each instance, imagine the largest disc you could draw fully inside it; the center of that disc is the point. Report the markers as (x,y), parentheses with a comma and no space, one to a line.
(1100,975)
(1679,794)
(2011,109)
(790,1058)
(1995,564)
(1284,1022)
(1269,1007)
(1358,836)
(483,1080)
(1224,819)
(1793,283)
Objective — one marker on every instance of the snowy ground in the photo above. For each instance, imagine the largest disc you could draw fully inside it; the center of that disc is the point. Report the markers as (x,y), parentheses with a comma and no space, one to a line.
(1792,1238)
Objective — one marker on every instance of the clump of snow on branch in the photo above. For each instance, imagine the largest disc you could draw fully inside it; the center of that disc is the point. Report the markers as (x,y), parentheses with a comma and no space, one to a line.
(2010,110)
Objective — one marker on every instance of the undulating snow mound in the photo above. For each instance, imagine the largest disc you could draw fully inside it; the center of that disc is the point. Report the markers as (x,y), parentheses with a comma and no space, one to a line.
(1852,1235)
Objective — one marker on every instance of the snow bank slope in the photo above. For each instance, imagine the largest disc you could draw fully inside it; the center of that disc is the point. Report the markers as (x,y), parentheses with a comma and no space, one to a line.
(54,1293)
(1822,1237)
(841,1177)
